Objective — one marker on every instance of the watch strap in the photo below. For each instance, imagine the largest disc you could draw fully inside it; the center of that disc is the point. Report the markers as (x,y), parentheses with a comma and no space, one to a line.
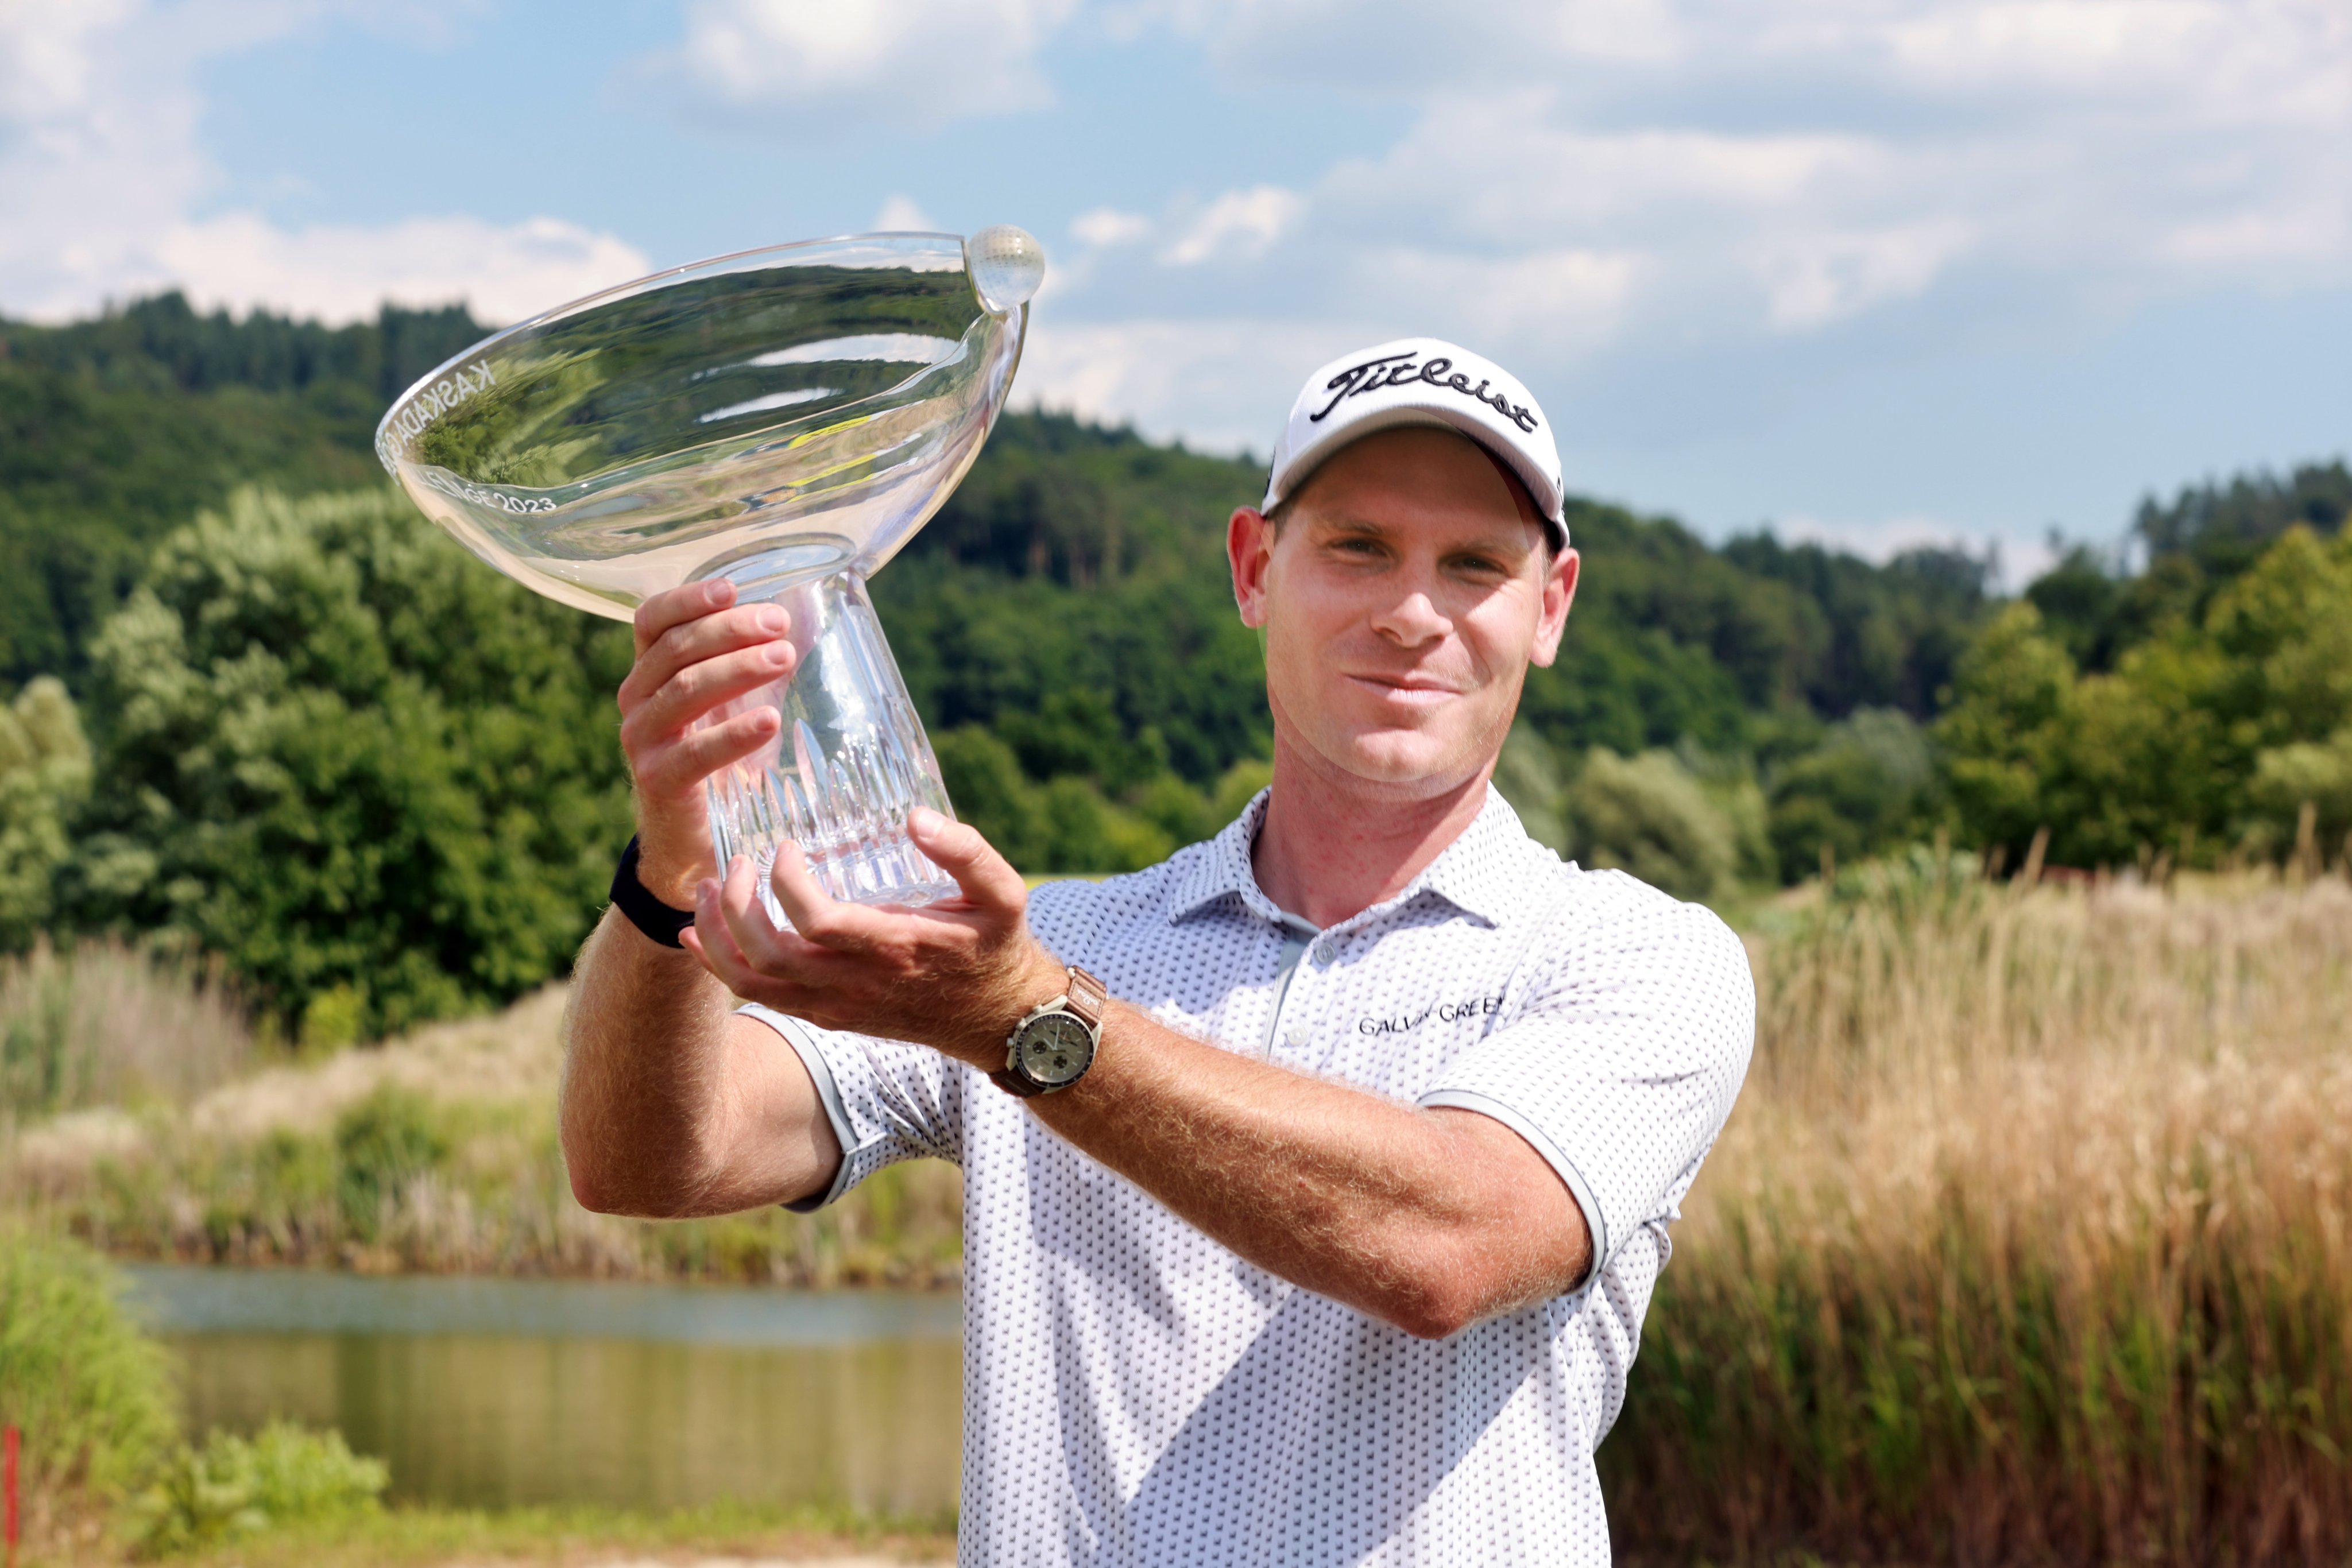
(1087,998)
(658,921)
(1012,1083)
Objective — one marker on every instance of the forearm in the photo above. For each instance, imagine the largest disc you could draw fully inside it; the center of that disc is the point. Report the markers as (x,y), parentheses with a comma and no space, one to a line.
(1427,1219)
(650,1122)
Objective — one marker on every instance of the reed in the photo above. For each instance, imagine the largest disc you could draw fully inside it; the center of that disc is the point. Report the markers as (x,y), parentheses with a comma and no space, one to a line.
(434,1154)
(2027,1243)
(102,1023)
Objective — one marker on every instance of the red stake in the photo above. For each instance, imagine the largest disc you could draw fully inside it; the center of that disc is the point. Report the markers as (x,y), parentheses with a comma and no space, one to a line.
(8,1445)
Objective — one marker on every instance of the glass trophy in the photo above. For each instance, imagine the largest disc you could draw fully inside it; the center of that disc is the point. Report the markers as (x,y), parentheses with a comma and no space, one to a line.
(782,418)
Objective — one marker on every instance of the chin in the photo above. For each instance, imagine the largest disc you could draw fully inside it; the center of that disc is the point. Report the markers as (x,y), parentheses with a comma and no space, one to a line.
(1406,756)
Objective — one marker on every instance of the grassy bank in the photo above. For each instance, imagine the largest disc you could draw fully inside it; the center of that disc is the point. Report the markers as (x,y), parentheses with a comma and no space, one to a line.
(436,1153)
(2027,1243)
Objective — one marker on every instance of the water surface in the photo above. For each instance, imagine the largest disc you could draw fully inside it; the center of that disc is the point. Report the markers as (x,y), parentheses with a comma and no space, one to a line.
(485,1392)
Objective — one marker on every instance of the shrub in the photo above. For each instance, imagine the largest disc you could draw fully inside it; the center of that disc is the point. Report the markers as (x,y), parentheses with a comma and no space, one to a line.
(1856,793)
(1528,776)
(381,1143)
(233,1488)
(1647,815)
(92,1393)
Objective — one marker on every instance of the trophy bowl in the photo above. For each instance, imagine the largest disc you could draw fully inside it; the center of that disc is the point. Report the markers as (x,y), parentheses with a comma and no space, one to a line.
(782,418)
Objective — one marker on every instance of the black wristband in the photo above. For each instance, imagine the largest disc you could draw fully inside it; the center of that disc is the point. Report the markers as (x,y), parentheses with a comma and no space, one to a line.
(649,915)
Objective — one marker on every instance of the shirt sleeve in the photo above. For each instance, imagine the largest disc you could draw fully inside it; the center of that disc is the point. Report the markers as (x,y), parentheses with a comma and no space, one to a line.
(1621,1058)
(888,1101)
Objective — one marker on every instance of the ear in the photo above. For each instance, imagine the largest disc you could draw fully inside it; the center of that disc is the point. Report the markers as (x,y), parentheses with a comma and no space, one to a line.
(1249,549)
(1558,593)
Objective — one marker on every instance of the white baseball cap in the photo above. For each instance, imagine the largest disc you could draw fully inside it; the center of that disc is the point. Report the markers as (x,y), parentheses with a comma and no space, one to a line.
(1420,381)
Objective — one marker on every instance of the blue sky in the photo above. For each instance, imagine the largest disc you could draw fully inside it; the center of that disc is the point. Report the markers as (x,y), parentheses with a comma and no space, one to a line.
(1883,272)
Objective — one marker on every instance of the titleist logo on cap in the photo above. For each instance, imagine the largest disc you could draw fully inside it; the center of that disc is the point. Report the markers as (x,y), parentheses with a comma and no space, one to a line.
(1396,370)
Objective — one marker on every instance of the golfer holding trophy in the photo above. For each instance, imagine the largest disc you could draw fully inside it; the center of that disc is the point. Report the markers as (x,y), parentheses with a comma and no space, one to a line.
(1316,1179)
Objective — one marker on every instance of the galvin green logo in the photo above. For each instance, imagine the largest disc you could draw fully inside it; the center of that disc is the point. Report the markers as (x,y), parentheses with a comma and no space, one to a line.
(1444,1012)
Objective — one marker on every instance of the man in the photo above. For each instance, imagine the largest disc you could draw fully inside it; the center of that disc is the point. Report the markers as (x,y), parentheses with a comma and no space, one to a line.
(1315,1179)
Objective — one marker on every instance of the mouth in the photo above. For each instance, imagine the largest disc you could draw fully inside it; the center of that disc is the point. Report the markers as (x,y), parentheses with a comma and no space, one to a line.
(1411,690)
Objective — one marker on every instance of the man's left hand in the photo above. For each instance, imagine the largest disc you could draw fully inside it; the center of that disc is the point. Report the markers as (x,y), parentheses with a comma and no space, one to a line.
(955,975)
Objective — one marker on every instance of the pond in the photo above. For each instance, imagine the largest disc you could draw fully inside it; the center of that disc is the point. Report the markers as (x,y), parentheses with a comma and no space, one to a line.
(496,1392)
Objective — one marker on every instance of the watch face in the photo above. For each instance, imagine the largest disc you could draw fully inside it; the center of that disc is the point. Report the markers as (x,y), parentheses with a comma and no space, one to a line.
(1055,1049)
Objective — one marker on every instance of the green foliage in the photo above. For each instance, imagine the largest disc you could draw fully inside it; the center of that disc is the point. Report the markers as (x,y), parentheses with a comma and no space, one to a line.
(2201,542)
(1861,636)
(1860,792)
(2225,528)
(2163,752)
(93,1395)
(1650,816)
(2287,778)
(113,432)
(343,755)
(1068,823)
(381,1144)
(1528,776)
(233,1488)
(45,775)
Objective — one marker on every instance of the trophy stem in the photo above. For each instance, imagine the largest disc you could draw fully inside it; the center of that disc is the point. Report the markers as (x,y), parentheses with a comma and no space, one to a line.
(848,764)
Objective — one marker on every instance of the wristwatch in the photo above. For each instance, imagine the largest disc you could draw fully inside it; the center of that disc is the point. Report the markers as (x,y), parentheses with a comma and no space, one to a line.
(1053,1047)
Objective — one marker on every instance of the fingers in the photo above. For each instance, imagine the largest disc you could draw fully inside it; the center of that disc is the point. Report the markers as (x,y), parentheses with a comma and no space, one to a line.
(689,645)
(699,689)
(676,606)
(676,768)
(987,878)
(847,928)
(711,941)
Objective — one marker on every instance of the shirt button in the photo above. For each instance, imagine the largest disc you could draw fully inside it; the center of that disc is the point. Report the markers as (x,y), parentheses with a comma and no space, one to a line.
(1296,1039)
(1323,951)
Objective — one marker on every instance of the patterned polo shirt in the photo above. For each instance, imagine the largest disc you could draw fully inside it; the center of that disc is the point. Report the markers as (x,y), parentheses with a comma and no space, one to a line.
(1135,1394)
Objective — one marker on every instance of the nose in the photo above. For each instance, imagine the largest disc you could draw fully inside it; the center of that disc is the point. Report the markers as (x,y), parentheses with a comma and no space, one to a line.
(1412,620)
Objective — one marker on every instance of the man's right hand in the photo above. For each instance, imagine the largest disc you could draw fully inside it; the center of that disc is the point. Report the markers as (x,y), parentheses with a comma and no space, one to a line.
(700,657)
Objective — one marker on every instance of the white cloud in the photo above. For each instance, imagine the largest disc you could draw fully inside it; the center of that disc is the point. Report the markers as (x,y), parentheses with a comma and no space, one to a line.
(504,272)
(1105,226)
(103,178)
(1841,144)
(1161,375)
(1812,280)
(1237,225)
(902,215)
(815,66)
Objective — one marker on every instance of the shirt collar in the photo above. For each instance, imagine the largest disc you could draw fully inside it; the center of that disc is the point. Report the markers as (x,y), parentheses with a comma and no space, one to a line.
(1485,872)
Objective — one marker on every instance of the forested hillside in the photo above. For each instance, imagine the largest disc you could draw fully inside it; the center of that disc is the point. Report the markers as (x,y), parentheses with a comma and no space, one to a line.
(253,706)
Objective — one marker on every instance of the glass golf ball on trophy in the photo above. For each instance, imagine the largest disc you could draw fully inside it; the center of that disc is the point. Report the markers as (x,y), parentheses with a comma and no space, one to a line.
(785,418)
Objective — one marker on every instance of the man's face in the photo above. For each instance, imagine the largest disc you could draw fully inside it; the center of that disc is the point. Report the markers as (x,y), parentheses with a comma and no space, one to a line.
(1402,599)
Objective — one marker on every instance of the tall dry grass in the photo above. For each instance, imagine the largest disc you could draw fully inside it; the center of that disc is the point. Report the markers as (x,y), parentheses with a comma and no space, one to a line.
(2027,1244)
(102,1023)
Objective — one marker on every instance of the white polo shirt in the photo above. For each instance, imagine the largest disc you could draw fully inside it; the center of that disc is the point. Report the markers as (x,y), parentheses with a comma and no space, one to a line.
(1135,1394)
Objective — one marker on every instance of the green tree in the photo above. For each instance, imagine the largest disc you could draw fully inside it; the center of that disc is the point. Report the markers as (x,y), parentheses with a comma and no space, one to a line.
(1859,793)
(343,755)
(1527,775)
(2164,750)
(1649,816)
(45,774)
